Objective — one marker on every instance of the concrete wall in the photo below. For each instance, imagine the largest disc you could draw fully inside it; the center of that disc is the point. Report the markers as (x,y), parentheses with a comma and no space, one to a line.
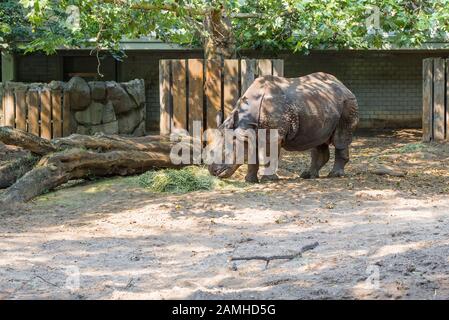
(388,84)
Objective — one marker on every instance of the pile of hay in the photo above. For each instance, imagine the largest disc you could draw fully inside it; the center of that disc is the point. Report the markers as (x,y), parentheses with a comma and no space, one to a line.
(178,180)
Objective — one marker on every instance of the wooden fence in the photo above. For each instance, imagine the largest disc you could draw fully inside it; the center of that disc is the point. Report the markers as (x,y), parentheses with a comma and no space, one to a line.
(435,119)
(44,112)
(196,89)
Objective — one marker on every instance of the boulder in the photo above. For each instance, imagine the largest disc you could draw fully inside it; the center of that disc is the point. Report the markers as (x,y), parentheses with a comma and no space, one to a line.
(79,93)
(106,128)
(136,89)
(120,99)
(108,113)
(128,122)
(140,130)
(92,115)
(83,130)
(56,85)
(97,90)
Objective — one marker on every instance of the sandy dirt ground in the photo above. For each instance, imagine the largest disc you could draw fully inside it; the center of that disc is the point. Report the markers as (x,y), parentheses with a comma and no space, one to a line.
(380,236)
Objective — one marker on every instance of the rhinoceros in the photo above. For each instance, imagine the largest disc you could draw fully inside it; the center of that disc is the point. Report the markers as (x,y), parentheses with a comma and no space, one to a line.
(309,112)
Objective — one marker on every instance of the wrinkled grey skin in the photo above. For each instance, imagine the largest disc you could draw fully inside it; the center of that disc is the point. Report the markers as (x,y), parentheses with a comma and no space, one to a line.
(310,112)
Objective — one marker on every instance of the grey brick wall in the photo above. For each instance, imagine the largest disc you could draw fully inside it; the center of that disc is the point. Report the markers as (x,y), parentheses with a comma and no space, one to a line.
(388,85)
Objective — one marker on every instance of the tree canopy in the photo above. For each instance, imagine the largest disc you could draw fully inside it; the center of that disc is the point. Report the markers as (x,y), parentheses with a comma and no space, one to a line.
(298,25)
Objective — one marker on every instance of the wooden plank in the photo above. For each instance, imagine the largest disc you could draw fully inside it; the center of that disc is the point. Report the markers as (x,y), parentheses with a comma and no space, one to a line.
(2,105)
(56,110)
(213,92)
(231,85)
(9,108)
(248,74)
(33,111)
(179,94)
(264,67)
(427,115)
(278,67)
(438,99)
(447,99)
(46,113)
(196,88)
(21,109)
(66,116)
(164,96)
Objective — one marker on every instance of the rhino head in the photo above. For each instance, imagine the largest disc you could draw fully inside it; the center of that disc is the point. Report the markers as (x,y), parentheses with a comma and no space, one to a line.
(234,141)
(216,143)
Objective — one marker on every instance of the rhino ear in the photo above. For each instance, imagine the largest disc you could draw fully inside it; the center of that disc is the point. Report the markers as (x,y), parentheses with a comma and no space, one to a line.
(219,118)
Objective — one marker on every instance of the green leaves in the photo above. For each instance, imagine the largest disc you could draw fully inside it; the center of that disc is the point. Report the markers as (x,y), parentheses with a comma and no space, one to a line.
(297,25)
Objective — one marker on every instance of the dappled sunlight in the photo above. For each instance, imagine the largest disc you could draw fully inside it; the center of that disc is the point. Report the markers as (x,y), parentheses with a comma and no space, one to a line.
(129,242)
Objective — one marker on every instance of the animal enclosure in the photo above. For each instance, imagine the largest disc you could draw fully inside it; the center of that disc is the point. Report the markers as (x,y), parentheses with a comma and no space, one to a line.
(435,119)
(197,89)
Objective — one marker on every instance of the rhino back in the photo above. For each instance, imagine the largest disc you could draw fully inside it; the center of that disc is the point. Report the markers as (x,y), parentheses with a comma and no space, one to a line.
(305,110)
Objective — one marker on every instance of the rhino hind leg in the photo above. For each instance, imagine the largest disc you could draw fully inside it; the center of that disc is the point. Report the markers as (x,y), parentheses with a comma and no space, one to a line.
(320,156)
(341,159)
(341,139)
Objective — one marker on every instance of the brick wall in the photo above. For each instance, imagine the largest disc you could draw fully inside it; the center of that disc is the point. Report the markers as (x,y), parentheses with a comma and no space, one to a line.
(388,84)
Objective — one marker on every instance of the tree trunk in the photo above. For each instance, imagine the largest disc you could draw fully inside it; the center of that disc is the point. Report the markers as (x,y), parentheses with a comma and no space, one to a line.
(220,44)
(79,156)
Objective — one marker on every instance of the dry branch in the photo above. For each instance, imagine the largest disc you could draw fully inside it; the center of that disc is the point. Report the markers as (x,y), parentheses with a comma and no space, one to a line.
(267,259)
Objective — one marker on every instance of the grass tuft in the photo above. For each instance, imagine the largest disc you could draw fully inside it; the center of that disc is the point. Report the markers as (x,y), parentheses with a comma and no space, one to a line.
(183,180)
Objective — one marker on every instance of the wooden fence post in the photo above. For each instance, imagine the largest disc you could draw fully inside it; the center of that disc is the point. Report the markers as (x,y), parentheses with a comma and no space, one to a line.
(213,92)
(438,99)
(230,86)
(56,110)
(196,96)
(278,67)
(447,99)
(66,115)
(46,113)
(248,74)
(9,108)
(179,94)
(427,116)
(21,109)
(164,92)
(33,111)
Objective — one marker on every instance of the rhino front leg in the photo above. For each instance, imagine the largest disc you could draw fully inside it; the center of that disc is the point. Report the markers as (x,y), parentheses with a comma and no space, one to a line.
(341,159)
(251,175)
(320,156)
(271,177)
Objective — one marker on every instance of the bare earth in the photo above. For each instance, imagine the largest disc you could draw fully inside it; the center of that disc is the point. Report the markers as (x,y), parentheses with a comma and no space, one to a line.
(379,236)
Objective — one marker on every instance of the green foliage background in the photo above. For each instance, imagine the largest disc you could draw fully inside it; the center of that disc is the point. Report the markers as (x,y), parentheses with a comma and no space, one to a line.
(297,25)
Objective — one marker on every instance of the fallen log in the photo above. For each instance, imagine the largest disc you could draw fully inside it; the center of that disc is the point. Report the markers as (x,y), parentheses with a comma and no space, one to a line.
(28,141)
(12,171)
(79,156)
